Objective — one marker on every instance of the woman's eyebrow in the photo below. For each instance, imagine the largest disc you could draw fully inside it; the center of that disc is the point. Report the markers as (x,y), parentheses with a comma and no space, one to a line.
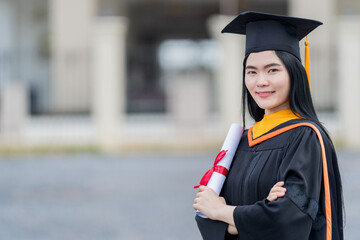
(266,66)
(272,65)
(250,67)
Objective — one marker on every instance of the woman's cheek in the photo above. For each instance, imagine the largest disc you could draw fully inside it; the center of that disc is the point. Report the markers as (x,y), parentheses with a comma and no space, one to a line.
(249,85)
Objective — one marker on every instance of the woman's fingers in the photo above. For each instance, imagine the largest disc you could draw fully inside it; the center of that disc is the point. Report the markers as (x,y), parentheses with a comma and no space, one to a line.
(196,203)
(276,191)
(202,188)
(274,196)
(279,184)
(199,196)
(271,197)
(208,202)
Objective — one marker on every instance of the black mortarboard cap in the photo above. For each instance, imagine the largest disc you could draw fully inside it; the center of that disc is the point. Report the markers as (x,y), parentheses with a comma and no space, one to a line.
(271,31)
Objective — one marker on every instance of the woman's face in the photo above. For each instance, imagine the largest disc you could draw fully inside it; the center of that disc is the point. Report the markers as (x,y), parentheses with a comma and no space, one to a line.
(268,81)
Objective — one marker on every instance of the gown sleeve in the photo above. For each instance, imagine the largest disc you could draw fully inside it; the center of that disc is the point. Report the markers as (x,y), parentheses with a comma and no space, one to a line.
(292,216)
(210,229)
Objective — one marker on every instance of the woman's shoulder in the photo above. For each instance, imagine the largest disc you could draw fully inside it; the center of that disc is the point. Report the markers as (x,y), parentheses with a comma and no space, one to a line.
(291,127)
(301,125)
(308,130)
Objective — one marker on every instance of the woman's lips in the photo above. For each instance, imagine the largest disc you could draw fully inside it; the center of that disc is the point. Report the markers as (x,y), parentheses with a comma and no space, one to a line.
(265,94)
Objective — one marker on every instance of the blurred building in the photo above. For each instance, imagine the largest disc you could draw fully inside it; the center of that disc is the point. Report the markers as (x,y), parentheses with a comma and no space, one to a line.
(136,74)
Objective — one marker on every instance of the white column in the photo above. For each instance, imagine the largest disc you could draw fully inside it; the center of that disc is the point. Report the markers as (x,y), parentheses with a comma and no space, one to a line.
(229,74)
(109,79)
(321,48)
(13,111)
(71,25)
(348,39)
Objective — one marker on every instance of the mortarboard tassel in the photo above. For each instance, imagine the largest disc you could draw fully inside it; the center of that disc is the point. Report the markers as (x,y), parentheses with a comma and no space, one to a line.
(307,60)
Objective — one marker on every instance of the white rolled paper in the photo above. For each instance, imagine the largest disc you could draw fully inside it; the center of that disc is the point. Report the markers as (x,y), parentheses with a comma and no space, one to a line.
(231,143)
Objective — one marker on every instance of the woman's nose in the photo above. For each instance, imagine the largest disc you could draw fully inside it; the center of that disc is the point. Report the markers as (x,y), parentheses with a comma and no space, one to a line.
(262,80)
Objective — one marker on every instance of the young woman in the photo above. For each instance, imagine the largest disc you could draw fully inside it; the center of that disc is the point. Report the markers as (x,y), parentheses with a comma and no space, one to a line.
(284,182)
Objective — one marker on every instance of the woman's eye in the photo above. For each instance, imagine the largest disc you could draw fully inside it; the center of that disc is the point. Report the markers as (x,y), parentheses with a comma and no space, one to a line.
(251,73)
(273,70)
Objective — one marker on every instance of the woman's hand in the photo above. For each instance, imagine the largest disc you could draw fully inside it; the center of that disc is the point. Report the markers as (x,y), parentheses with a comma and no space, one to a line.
(276,191)
(214,207)
(208,202)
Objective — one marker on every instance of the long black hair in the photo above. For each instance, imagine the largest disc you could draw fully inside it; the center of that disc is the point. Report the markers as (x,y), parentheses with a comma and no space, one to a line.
(300,100)
(301,104)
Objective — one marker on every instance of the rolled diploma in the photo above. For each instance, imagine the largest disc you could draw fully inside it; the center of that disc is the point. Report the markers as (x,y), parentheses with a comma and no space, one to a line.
(231,143)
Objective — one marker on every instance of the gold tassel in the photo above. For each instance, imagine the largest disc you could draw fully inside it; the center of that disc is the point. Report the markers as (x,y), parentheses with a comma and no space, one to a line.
(307,60)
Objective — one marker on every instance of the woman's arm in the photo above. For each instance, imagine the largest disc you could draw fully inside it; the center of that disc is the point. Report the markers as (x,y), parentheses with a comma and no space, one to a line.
(293,215)
(214,207)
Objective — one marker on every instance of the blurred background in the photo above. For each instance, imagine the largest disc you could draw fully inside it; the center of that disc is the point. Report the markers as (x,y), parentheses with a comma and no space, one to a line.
(95,93)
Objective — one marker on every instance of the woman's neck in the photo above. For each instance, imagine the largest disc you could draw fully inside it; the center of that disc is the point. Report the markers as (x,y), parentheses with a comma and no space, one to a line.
(283,106)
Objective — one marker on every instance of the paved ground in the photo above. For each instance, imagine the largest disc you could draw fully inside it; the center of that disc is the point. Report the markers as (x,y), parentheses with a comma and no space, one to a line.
(130,197)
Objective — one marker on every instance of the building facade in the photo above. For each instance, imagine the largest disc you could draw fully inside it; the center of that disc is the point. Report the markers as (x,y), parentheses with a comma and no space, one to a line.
(132,70)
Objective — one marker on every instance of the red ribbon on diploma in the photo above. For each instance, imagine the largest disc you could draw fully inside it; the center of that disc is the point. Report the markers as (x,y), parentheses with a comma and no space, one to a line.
(216,168)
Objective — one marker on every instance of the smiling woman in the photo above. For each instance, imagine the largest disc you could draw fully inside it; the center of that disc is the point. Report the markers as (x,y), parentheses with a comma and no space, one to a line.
(284,181)
(268,81)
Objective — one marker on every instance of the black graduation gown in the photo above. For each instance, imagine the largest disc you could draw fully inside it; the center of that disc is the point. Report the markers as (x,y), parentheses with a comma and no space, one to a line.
(295,158)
